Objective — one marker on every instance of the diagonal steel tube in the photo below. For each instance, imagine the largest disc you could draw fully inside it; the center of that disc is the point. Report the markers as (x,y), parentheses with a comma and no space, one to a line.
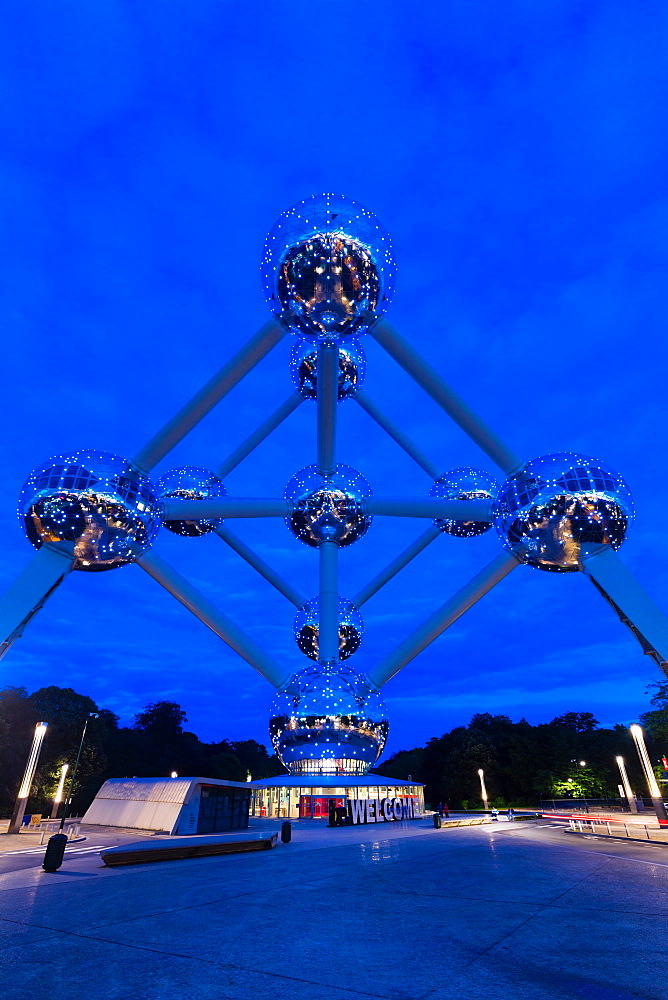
(628,599)
(397,435)
(327,401)
(413,550)
(211,394)
(328,602)
(443,618)
(31,589)
(211,616)
(258,436)
(447,398)
(455,510)
(254,560)
(187,510)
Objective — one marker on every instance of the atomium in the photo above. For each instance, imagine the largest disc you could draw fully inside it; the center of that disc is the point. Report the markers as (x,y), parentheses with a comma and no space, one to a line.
(328,268)
(328,721)
(307,628)
(464,484)
(96,500)
(558,504)
(190,483)
(304,365)
(328,508)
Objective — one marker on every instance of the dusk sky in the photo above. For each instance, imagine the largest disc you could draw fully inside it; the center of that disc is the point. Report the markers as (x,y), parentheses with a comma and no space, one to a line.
(517,154)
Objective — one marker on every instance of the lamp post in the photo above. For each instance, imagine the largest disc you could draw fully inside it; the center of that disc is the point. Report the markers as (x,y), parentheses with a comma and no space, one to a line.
(24,790)
(481,775)
(58,798)
(654,791)
(91,715)
(628,791)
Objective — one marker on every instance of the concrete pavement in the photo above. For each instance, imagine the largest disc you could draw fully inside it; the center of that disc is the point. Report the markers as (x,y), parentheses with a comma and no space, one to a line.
(403,912)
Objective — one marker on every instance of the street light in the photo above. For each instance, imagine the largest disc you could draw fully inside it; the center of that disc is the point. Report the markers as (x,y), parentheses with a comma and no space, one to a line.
(655,793)
(481,775)
(91,715)
(58,798)
(24,790)
(628,791)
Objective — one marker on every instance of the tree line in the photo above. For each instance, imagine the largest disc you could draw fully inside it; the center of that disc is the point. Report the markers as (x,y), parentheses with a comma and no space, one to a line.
(154,745)
(569,757)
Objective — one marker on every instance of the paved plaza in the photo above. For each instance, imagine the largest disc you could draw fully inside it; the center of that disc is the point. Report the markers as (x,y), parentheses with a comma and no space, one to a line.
(404,911)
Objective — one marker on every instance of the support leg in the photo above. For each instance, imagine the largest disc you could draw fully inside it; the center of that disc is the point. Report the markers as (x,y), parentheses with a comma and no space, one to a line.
(328,624)
(327,400)
(31,589)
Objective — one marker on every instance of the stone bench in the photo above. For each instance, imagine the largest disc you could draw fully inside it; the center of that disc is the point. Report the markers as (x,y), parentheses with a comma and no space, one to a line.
(178,848)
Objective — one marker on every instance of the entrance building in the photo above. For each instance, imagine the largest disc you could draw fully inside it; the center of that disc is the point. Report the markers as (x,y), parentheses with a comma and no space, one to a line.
(309,796)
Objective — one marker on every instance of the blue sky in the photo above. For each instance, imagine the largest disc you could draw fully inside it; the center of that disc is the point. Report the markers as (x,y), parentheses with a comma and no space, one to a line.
(517,155)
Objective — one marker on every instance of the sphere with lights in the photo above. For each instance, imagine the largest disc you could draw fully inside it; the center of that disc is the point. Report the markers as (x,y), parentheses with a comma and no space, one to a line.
(190,483)
(464,484)
(557,504)
(328,507)
(328,722)
(304,369)
(307,628)
(96,500)
(327,268)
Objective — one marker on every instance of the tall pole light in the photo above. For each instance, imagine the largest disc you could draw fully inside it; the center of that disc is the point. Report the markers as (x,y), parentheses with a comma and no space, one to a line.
(58,798)
(628,792)
(26,784)
(654,791)
(483,789)
(91,715)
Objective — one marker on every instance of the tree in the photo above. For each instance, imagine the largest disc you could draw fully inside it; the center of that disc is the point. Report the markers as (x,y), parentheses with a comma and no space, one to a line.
(162,719)
(656,721)
(579,722)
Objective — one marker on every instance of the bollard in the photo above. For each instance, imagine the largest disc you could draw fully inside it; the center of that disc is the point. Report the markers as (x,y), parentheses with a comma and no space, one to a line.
(438,822)
(55,850)
(286,833)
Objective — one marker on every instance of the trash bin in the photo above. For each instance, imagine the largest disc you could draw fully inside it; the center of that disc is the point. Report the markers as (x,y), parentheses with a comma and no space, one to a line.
(438,822)
(55,851)
(286,833)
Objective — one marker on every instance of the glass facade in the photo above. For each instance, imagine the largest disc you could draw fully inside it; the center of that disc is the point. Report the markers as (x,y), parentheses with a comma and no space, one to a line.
(312,802)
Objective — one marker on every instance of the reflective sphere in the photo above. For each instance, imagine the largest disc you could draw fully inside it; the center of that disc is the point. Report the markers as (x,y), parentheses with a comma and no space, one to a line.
(328,723)
(96,500)
(327,268)
(559,503)
(307,627)
(304,369)
(190,483)
(464,484)
(329,508)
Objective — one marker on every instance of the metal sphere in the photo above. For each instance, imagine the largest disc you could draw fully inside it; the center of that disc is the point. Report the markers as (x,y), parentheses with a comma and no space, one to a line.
(328,722)
(328,508)
(464,484)
(558,503)
(327,268)
(96,500)
(304,369)
(307,628)
(190,483)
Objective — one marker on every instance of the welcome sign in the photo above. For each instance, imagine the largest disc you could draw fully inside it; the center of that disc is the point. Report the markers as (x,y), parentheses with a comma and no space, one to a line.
(388,810)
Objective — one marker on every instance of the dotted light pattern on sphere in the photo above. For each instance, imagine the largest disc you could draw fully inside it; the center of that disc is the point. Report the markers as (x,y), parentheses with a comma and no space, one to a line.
(558,503)
(96,500)
(307,627)
(327,268)
(304,366)
(328,508)
(464,484)
(190,483)
(329,722)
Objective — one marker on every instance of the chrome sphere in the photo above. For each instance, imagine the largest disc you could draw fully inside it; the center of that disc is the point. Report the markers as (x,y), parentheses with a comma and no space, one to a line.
(327,268)
(190,483)
(558,503)
(328,723)
(304,369)
(96,500)
(307,628)
(464,484)
(328,508)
